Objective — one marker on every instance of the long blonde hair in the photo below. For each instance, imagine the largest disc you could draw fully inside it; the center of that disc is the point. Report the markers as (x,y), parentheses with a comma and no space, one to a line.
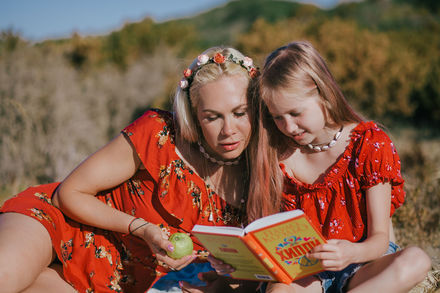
(295,67)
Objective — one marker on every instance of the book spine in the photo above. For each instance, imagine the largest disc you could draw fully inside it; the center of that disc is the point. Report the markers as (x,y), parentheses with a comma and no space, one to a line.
(277,272)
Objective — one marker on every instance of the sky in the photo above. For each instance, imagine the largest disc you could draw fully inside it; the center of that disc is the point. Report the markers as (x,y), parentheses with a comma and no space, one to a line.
(37,20)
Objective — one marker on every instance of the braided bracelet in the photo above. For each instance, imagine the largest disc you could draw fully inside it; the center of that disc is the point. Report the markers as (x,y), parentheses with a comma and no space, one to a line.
(131,222)
(146,223)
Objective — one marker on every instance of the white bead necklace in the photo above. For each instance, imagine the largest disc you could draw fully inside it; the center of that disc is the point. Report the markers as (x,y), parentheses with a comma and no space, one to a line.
(325,147)
(219,162)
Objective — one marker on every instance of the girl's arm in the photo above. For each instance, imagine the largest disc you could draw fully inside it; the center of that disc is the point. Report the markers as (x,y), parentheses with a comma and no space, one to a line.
(110,166)
(337,254)
(378,200)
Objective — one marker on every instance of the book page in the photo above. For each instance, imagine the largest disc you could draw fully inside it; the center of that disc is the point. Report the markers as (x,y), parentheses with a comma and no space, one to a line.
(272,219)
(232,250)
(224,230)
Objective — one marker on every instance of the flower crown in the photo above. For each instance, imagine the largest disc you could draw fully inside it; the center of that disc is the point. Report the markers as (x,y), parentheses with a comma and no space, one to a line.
(188,74)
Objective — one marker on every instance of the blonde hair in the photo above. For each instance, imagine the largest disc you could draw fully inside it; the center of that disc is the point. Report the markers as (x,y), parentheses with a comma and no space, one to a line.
(186,101)
(296,67)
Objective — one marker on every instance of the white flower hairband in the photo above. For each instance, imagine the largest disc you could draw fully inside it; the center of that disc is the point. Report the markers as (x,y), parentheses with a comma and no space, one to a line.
(188,74)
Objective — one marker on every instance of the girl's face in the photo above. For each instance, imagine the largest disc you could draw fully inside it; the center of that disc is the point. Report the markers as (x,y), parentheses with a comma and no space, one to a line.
(299,117)
(224,117)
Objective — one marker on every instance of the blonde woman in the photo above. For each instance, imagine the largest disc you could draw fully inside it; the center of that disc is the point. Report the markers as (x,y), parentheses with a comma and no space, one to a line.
(105,227)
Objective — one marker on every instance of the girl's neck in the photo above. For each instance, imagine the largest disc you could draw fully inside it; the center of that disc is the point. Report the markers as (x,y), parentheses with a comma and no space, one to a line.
(308,165)
(327,135)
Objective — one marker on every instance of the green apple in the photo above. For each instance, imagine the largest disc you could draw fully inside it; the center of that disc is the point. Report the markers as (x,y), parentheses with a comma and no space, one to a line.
(183,245)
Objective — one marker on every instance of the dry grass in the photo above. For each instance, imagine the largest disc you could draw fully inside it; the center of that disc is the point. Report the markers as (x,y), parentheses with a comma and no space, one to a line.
(417,221)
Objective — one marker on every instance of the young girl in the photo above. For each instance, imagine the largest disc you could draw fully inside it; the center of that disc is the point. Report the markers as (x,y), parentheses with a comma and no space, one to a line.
(342,171)
(107,224)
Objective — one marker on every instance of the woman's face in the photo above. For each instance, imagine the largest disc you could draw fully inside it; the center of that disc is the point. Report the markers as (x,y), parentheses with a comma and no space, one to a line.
(223,115)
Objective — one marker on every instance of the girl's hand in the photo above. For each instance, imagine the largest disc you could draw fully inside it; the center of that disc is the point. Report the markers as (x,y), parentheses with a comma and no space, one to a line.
(219,266)
(335,255)
(158,242)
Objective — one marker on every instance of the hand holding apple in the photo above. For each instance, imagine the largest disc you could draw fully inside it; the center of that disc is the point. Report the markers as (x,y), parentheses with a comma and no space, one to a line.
(183,245)
(160,245)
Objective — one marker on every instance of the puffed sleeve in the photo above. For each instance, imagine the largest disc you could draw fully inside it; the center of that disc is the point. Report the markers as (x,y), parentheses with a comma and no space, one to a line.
(378,162)
(152,136)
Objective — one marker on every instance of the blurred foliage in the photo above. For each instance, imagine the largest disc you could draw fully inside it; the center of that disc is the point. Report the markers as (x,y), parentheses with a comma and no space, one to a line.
(385,54)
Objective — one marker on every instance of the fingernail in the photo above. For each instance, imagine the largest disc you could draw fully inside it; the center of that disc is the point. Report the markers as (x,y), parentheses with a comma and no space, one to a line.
(180,284)
(170,247)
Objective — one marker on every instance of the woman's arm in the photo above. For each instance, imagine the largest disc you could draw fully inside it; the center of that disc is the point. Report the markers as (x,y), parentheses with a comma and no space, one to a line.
(337,254)
(110,166)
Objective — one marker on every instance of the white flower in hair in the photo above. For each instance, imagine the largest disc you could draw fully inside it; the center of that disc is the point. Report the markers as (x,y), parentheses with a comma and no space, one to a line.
(183,84)
(203,58)
(247,62)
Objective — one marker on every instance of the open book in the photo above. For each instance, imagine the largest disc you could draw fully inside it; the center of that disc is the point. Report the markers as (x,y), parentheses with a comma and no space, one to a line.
(272,248)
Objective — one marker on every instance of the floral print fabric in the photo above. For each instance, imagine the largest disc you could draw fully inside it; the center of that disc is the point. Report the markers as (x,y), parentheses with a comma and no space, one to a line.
(336,202)
(165,192)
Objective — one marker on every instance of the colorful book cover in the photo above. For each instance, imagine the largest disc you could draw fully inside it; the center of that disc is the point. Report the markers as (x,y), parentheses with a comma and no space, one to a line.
(288,242)
(272,248)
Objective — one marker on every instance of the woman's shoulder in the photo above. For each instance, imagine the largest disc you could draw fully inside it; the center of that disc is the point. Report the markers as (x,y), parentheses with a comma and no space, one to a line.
(152,136)
(155,116)
(152,120)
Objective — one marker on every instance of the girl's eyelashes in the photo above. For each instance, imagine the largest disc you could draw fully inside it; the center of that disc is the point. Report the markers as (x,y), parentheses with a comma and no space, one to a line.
(294,114)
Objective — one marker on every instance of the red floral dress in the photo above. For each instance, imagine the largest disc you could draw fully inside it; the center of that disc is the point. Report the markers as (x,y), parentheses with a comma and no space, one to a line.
(167,193)
(336,203)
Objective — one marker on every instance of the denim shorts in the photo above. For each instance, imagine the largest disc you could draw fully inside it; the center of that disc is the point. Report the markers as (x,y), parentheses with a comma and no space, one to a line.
(334,282)
(170,282)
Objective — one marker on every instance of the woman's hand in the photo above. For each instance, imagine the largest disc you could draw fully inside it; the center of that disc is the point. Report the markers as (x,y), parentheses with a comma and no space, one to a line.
(219,266)
(159,245)
(335,255)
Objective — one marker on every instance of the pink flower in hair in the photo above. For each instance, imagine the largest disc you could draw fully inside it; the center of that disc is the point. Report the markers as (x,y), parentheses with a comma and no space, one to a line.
(187,72)
(183,84)
(248,62)
(202,59)
(253,72)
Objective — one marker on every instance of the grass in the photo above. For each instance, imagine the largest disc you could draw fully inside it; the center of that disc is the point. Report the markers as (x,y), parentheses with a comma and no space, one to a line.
(417,221)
